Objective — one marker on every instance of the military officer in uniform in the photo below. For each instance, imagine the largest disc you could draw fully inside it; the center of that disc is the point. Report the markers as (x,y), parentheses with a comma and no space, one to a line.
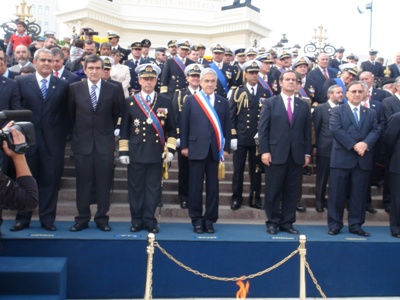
(192,73)
(133,63)
(371,65)
(148,138)
(172,48)
(113,39)
(338,60)
(145,52)
(282,64)
(245,104)
(173,75)
(202,49)
(159,61)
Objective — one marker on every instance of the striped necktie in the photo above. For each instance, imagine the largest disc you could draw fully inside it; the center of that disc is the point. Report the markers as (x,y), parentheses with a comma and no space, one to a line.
(43,87)
(93,96)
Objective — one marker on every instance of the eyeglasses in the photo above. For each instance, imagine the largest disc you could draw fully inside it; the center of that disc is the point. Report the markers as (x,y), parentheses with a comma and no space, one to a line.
(356,91)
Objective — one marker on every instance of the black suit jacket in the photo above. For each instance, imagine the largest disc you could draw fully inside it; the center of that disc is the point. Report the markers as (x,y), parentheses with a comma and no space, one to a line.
(93,129)
(69,76)
(392,143)
(197,133)
(391,105)
(12,74)
(278,137)
(173,77)
(10,98)
(50,114)
(379,95)
(346,133)
(323,135)
(317,77)
(394,71)
(376,69)
(245,113)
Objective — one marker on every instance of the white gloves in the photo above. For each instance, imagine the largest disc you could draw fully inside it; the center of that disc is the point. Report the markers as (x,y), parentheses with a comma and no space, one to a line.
(169,158)
(116,132)
(124,159)
(178,143)
(234,144)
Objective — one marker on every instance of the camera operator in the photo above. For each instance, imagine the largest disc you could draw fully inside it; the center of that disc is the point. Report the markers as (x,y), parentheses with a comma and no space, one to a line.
(21,194)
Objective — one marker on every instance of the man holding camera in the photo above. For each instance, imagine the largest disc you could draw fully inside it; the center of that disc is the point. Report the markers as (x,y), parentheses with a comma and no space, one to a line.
(46,96)
(21,194)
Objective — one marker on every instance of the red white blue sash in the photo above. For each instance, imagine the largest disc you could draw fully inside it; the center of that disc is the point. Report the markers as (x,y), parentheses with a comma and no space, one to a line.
(303,92)
(264,84)
(180,64)
(212,116)
(150,115)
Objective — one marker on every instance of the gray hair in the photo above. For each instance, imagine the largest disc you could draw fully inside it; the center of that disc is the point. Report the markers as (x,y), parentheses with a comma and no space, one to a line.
(207,71)
(364,84)
(331,88)
(43,50)
(397,81)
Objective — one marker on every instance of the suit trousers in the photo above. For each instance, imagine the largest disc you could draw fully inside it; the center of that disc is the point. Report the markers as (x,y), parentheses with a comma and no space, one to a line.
(144,192)
(322,176)
(395,203)
(183,177)
(45,169)
(197,170)
(239,163)
(94,174)
(349,185)
(282,183)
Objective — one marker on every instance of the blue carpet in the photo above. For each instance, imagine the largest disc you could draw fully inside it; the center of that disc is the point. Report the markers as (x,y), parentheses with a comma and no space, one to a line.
(113,264)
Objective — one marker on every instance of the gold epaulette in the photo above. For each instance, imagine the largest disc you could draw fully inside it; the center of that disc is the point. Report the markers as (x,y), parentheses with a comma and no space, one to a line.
(171,143)
(123,146)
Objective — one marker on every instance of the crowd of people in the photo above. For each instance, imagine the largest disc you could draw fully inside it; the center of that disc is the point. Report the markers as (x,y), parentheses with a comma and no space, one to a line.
(275,109)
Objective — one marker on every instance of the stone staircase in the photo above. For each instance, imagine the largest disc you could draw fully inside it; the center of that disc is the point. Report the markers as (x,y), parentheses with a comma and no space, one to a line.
(171,211)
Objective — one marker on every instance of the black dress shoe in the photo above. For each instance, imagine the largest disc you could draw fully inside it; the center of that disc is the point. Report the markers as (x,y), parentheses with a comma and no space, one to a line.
(198,229)
(49,227)
(136,228)
(370,209)
(19,226)
(184,204)
(235,205)
(78,227)
(272,230)
(256,205)
(307,171)
(210,228)
(320,209)
(396,235)
(387,209)
(360,232)
(300,208)
(333,231)
(290,230)
(152,229)
(104,227)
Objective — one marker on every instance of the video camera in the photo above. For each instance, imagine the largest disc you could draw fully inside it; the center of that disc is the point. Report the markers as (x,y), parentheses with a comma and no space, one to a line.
(26,128)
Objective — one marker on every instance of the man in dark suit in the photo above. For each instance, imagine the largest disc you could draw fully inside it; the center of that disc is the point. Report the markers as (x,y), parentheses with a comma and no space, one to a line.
(228,76)
(371,65)
(133,63)
(373,93)
(59,69)
(323,137)
(205,140)
(319,76)
(394,68)
(391,105)
(173,76)
(159,61)
(94,107)
(355,131)
(283,63)
(3,67)
(46,96)
(392,147)
(335,62)
(284,134)
(192,73)
(148,140)
(245,106)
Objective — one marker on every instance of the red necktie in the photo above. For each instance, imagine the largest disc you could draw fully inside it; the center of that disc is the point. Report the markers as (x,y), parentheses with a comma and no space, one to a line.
(325,75)
(56,74)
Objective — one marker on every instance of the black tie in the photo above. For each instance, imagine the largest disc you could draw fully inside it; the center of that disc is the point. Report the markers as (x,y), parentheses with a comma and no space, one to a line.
(252,93)
(135,65)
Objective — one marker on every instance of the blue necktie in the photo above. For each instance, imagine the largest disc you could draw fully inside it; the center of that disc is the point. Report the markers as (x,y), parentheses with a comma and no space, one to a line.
(148,99)
(93,96)
(43,87)
(355,110)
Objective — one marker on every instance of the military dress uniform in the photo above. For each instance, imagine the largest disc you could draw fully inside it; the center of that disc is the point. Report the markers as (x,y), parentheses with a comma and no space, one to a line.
(144,145)
(245,106)
(134,85)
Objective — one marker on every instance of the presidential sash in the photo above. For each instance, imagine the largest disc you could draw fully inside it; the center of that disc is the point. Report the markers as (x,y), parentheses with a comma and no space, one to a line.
(220,76)
(151,117)
(212,116)
(264,84)
(340,83)
(180,64)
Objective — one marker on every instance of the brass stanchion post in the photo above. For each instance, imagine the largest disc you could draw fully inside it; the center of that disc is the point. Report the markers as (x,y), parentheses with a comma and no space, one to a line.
(148,295)
(302,254)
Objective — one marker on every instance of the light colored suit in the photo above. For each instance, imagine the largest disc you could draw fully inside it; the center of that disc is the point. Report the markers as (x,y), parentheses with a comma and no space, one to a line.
(121,73)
